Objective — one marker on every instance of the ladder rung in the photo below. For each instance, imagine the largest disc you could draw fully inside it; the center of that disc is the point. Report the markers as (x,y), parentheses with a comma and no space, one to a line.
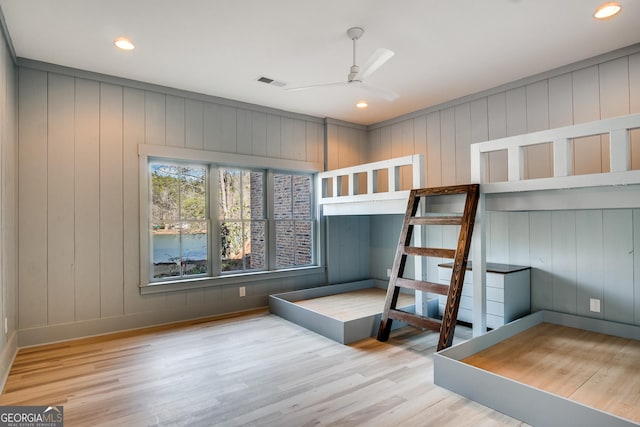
(420,285)
(436,220)
(439,191)
(433,252)
(415,320)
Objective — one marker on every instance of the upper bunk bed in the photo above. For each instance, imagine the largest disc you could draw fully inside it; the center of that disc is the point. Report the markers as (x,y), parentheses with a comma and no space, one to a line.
(360,190)
(617,187)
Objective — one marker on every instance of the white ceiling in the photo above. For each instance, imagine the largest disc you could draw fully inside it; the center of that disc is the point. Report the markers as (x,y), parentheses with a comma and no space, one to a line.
(443,49)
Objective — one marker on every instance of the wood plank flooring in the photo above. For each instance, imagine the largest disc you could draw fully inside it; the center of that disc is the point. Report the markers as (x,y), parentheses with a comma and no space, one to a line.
(354,304)
(253,370)
(598,370)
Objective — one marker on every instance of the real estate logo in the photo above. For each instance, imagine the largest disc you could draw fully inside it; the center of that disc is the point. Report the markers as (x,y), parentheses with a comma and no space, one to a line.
(31,416)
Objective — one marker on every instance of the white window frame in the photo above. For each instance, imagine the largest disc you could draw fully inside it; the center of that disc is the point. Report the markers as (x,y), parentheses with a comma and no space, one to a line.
(148,153)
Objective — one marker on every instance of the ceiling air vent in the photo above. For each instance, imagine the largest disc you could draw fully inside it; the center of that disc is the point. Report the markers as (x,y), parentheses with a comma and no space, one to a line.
(272,82)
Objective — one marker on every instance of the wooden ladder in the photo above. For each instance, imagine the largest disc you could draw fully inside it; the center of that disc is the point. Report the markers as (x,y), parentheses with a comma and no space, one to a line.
(453,291)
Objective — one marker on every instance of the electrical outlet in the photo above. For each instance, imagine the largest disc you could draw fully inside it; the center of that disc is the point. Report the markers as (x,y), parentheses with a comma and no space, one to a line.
(388,272)
(594,305)
(243,291)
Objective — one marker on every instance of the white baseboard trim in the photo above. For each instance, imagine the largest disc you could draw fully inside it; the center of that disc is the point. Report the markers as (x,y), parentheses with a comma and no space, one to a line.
(7,357)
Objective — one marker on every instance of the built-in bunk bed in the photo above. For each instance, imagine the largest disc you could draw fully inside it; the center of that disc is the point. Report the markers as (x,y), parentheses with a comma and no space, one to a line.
(349,312)
(551,368)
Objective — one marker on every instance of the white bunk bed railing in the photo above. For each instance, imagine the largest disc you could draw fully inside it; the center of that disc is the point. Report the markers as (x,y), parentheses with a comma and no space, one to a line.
(335,201)
(562,140)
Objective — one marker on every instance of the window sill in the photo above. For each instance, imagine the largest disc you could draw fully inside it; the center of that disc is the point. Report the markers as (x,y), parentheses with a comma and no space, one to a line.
(228,279)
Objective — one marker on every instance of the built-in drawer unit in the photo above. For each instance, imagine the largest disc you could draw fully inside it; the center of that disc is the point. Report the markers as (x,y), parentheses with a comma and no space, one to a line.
(508,293)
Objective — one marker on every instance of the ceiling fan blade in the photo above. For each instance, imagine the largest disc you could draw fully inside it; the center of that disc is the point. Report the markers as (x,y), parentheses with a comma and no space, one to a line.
(375,61)
(294,89)
(387,94)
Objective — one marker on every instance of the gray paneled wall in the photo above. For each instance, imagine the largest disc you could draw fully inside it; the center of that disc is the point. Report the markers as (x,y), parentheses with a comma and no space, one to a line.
(8,211)
(79,203)
(575,255)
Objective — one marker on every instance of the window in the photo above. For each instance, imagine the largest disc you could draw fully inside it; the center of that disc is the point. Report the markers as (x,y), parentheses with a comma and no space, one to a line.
(179,221)
(242,219)
(293,219)
(211,221)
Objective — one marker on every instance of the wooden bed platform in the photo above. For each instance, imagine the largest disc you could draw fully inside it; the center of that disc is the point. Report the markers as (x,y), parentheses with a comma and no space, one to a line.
(550,369)
(345,312)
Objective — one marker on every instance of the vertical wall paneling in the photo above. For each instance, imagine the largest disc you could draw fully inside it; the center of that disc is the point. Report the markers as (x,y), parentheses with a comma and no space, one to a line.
(516,104)
(479,111)
(397,148)
(287,138)
(634,107)
(87,200)
(244,131)
(111,227)
(133,133)
(497,116)
(636,266)
(463,141)
(32,187)
(586,108)
(299,140)
(519,238)
(420,140)
(589,260)
(434,152)
(175,121)
(212,127)
(258,134)
(228,129)
(274,136)
(539,157)
(618,265)
(332,147)
(448,146)
(374,146)
(155,118)
(60,199)
(540,253)
(563,261)
(194,124)
(498,232)
(614,97)
(560,101)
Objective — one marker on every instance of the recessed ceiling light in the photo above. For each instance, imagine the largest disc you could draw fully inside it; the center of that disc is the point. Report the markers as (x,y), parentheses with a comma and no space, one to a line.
(362,104)
(124,43)
(607,10)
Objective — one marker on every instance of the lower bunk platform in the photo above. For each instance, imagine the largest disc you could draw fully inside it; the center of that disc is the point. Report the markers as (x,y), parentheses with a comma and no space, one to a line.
(550,369)
(345,313)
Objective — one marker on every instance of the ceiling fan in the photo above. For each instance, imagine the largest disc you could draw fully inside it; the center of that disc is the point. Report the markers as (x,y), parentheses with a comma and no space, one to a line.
(357,75)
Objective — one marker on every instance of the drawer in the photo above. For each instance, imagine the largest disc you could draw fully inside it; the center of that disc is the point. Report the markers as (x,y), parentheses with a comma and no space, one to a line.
(495,280)
(444,275)
(495,294)
(494,322)
(496,308)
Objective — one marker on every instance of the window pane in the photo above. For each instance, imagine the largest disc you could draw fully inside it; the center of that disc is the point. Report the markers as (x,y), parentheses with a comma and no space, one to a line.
(193,192)
(194,248)
(282,196)
(229,193)
(285,244)
(231,246)
(301,197)
(304,239)
(256,254)
(257,196)
(166,250)
(165,192)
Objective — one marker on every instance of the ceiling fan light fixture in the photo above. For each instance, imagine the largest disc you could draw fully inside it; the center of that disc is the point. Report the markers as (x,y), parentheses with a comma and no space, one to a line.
(123,43)
(607,10)
(362,104)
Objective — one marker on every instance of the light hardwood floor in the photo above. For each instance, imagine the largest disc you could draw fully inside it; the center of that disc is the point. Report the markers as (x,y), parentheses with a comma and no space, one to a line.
(251,370)
(598,370)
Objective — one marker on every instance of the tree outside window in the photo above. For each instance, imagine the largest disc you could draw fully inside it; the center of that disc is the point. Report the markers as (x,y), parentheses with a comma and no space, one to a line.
(179,221)
(242,220)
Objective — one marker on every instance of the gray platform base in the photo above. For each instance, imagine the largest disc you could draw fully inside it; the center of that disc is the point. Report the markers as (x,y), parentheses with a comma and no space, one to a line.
(518,400)
(344,332)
